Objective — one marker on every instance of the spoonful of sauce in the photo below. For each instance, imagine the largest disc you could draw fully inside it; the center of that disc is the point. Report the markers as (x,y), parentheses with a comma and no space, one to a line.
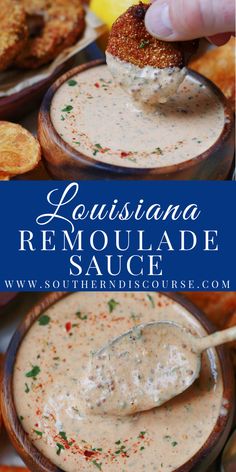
(145,367)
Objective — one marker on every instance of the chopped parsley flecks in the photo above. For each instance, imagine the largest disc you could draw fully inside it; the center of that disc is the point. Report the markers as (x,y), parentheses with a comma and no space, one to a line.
(144,43)
(121,450)
(21,418)
(105,82)
(142,434)
(72,82)
(63,435)
(112,304)
(150,298)
(97,464)
(60,448)
(80,316)
(26,388)
(33,372)
(132,159)
(158,151)
(62,119)
(99,148)
(39,433)
(67,109)
(44,320)
(170,439)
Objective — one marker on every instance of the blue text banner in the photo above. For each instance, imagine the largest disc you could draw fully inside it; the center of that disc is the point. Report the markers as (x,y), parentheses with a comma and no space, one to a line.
(98,235)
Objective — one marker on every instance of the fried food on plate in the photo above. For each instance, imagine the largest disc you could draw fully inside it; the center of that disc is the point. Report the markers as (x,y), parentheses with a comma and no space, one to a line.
(218,65)
(13,31)
(139,62)
(19,151)
(4,177)
(218,306)
(62,24)
(220,309)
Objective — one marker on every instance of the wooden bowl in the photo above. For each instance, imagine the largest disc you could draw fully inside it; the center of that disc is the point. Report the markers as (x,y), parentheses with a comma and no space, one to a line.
(19,104)
(6,297)
(38,463)
(64,162)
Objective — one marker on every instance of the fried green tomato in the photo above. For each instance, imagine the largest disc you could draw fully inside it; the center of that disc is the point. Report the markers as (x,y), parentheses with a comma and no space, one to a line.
(130,41)
(149,70)
(54,25)
(13,31)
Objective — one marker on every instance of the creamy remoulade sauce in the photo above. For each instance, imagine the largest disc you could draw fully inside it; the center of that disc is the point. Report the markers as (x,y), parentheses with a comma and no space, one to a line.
(95,116)
(140,370)
(146,85)
(51,361)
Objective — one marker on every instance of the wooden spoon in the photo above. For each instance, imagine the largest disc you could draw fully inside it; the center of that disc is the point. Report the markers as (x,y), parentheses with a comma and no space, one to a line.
(145,367)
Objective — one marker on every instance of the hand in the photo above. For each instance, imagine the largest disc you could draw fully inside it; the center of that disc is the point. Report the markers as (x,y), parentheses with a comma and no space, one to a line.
(180,20)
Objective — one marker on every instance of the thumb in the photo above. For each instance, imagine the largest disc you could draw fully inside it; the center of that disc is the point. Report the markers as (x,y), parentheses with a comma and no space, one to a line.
(177,20)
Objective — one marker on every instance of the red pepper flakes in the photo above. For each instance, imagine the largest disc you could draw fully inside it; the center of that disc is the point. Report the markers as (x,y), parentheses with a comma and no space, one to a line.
(68,326)
(97,85)
(89,453)
(104,150)
(124,154)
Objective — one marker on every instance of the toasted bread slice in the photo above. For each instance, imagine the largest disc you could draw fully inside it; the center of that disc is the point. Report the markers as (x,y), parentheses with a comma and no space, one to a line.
(19,151)
(218,65)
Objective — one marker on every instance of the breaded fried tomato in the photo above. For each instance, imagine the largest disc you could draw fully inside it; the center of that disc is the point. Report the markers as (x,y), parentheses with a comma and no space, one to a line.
(60,23)
(13,31)
(19,151)
(133,54)
(130,41)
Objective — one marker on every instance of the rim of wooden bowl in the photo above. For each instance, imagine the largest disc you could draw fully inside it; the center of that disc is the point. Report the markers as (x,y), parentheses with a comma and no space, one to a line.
(16,104)
(37,461)
(87,162)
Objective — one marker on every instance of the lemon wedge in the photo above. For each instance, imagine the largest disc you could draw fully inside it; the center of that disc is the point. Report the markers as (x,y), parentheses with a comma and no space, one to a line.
(109,10)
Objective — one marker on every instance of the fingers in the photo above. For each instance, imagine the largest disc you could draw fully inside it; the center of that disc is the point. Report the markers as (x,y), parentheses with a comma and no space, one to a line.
(220,39)
(177,20)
